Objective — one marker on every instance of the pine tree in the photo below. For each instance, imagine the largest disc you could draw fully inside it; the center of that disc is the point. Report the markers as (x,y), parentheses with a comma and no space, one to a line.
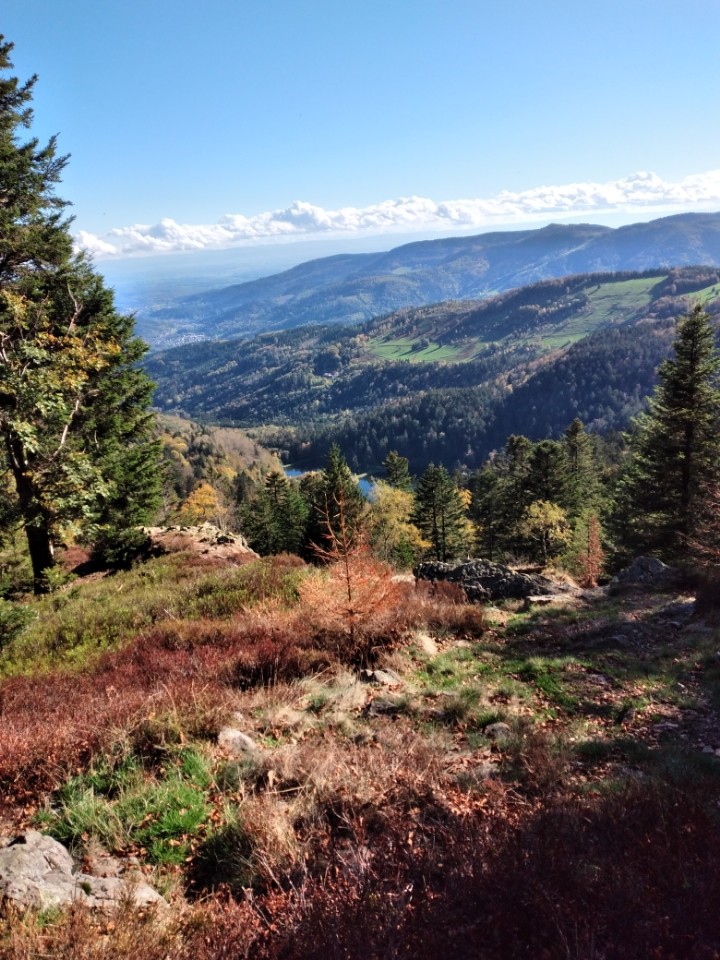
(487,510)
(397,469)
(328,492)
(581,487)
(440,514)
(274,521)
(547,476)
(33,232)
(73,406)
(675,450)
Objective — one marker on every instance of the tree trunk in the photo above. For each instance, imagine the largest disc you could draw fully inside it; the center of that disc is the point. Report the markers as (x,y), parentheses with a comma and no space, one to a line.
(41,555)
(35,519)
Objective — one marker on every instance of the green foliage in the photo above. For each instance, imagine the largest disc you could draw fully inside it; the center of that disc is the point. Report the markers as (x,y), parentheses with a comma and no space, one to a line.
(74,627)
(331,493)
(73,403)
(394,538)
(440,514)
(120,548)
(123,806)
(275,519)
(14,617)
(545,525)
(397,469)
(675,448)
(531,498)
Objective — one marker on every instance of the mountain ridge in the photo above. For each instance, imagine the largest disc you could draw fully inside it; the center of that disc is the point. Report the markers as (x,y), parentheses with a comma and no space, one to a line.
(351,288)
(434,379)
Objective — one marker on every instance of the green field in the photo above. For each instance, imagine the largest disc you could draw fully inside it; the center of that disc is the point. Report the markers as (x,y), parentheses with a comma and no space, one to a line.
(708,293)
(407,348)
(608,304)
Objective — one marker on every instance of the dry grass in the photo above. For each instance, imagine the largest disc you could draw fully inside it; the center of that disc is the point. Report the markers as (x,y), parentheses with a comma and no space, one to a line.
(353,833)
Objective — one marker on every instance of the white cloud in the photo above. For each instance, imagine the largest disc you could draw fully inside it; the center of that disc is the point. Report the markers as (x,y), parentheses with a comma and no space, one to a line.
(303,220)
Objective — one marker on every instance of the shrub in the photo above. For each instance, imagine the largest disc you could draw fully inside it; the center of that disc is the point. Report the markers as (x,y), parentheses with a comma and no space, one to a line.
(14,617)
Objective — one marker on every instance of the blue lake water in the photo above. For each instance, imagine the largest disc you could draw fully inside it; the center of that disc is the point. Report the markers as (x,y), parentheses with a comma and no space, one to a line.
(364,484)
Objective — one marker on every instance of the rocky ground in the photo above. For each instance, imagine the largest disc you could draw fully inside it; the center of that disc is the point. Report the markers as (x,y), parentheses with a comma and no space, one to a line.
(468,732)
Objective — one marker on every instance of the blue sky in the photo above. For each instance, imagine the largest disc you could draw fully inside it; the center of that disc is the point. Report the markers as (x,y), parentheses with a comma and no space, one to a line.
(201,126)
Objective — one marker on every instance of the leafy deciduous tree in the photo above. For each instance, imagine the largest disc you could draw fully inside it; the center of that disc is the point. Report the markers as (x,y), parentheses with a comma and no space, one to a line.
(545,524)
(73,406)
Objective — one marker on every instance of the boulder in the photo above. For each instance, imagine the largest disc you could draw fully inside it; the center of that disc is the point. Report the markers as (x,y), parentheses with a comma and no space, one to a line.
(499,732)
(205,539)
(644,572)
(385,678)
(235,743)
(37,871)
(483,581)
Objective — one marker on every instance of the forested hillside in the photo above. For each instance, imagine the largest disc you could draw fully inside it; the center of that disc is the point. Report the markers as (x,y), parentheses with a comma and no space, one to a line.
(447,382)
(351,288)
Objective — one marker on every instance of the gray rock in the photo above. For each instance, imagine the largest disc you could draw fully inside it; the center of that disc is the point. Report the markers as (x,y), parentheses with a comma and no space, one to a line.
(499,732)
(383,708)
(643,572)
(37,871)
(485,581)
(386,678)
(236,743)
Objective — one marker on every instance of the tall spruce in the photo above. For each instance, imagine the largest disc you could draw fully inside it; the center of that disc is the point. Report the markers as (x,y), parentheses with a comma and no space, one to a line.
(440,514)
(582,487)
(397,469)
(675,449)
(74,427)
(275,519)
(333,495)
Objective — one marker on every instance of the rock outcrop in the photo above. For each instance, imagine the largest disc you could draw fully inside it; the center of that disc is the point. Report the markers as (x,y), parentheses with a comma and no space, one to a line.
(37,871)
(644,572)
(205,539)
(483,581)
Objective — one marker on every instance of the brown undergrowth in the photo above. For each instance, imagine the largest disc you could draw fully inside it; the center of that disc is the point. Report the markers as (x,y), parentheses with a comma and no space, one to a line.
(381,819)
(53,723)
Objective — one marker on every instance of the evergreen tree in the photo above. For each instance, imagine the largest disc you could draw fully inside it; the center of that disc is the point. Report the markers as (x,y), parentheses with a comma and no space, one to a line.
(73,406)
(440,514)
(488,511)
(547,476)
(275,520)
(581,487)
(33,231)
(397,469)
(675,450)
(331,492)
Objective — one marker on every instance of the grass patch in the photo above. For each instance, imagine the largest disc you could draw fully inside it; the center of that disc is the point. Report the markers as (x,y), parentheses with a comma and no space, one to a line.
(124,807)
(73,628)
(414,350)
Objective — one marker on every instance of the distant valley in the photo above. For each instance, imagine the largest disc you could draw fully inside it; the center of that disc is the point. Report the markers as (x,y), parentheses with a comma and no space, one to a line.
(352,288)
(446,382)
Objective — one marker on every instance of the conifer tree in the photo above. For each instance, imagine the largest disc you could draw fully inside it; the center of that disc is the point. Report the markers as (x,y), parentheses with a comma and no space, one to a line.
(581,488)
(440,514)
(274,521)
(397,469)
(675,450)
(74,427)
(328,492)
